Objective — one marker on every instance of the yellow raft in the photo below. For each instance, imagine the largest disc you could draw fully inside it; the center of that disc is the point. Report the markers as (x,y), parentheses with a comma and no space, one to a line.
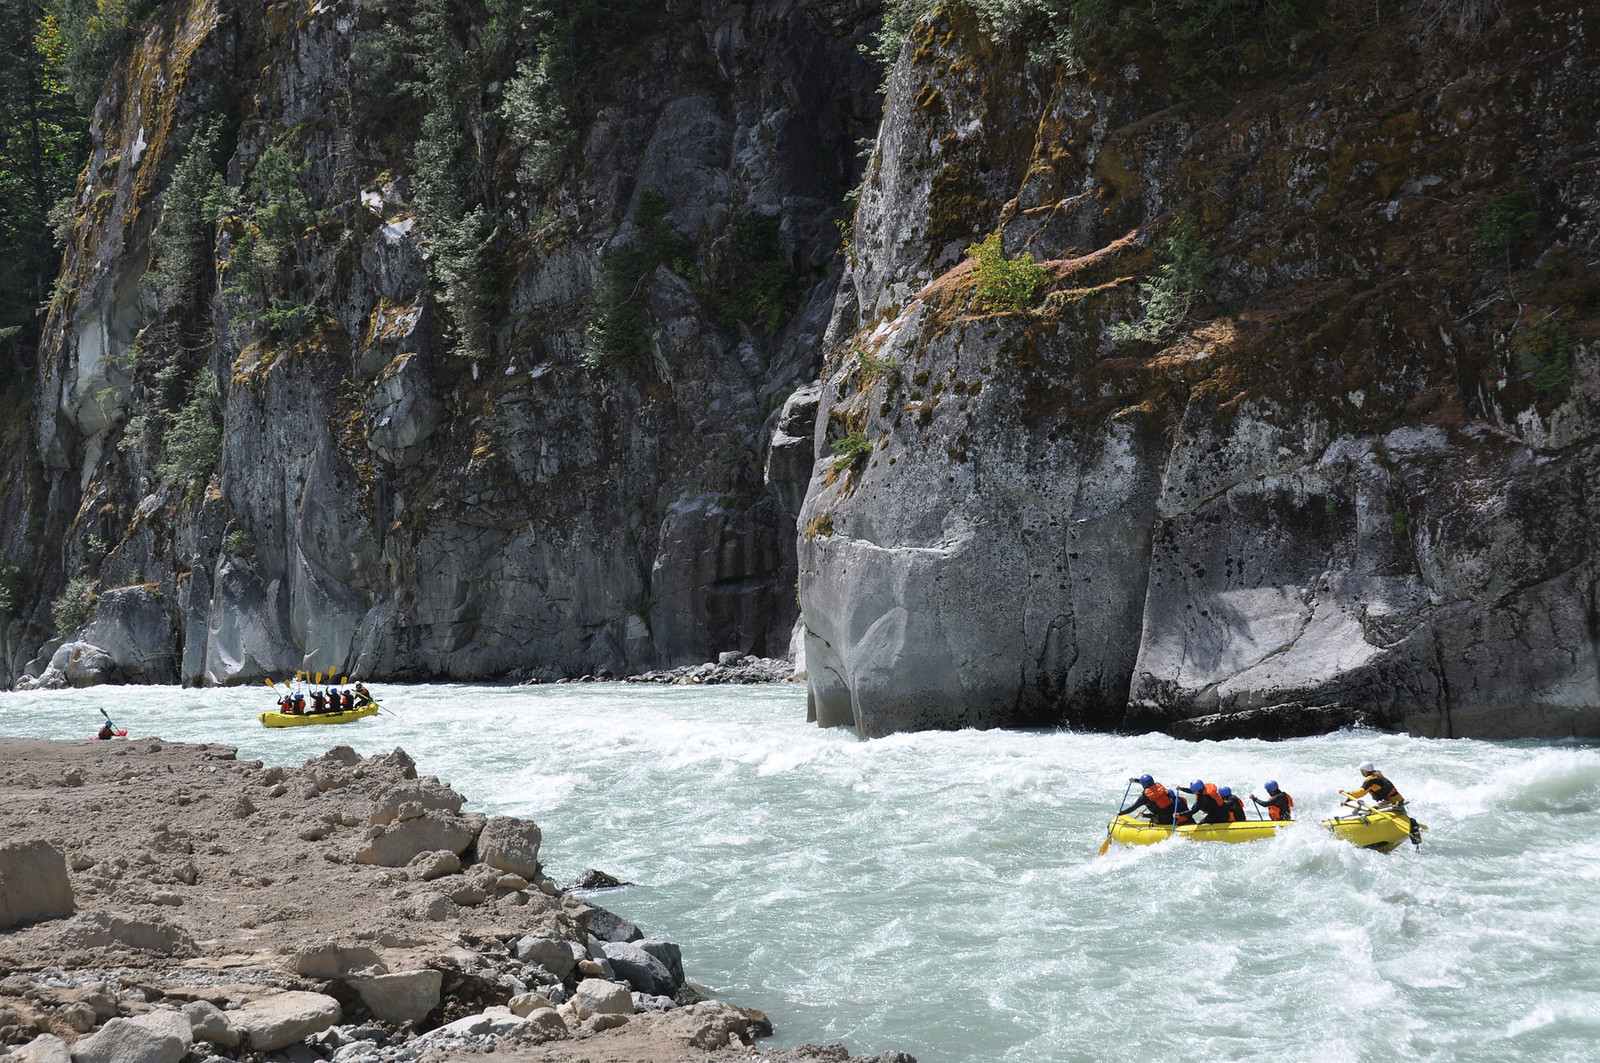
(1369,830)
(286,719)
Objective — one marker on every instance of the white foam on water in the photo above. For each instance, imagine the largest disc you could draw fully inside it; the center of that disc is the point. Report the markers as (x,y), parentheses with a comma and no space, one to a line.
(939,893)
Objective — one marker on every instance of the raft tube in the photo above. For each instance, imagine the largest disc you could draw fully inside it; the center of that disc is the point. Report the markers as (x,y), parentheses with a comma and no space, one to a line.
(1369,830)
(286,719)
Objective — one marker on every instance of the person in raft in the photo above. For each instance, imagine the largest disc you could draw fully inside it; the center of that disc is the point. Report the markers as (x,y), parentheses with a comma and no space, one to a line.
(361,693)
(1383,793)
(1207,803)
(1232,805)
(1157,798)
(1278,804)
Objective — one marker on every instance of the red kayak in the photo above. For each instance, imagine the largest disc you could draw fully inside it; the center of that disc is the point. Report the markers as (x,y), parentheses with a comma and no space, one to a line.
(119,734)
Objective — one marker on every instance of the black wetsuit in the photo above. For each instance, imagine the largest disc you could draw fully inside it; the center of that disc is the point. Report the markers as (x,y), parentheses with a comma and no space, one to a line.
(1279,800)
(1209,807)
(1157,813)
(1233,808)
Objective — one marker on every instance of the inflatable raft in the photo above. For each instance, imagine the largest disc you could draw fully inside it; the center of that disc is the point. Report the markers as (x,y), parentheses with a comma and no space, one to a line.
(309,719)
(1369,830)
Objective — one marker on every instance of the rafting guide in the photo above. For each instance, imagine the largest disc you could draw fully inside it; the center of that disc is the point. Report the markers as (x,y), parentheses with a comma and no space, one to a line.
(1219,815)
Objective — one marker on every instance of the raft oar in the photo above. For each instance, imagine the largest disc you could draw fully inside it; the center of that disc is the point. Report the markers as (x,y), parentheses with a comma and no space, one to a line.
(1105,845)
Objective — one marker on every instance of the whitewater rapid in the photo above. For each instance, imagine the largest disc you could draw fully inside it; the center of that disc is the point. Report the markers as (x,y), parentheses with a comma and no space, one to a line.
(939,893)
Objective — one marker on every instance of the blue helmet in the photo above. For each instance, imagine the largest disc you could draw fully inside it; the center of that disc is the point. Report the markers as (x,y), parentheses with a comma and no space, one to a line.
(1197,786)
(1145,780)
(1272,786)
(1226,791)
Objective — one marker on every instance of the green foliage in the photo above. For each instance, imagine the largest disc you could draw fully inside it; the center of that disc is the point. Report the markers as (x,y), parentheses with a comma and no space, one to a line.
(193,437)
(272,216)
(94,35)
(538,122)
(755,285)
(1169,296)
(1507,221)
(182,242)
(73,607)
(238,543)
(96,546)
(617,336)
(1545,348)
(850,450)
(1399,520)
(870,368)
(43,144)
(1004,285)
(1202,44)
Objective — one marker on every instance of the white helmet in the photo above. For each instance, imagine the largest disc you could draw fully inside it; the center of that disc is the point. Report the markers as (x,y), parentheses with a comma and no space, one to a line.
(1366,768)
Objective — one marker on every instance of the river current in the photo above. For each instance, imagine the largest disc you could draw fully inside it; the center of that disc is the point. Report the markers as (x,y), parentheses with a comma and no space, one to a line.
(939,893)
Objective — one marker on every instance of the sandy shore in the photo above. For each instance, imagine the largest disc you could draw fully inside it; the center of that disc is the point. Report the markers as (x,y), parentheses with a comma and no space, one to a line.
(349,888)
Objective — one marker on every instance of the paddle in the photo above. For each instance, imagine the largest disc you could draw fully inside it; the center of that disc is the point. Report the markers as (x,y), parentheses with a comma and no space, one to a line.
(109,720)
(1105,845)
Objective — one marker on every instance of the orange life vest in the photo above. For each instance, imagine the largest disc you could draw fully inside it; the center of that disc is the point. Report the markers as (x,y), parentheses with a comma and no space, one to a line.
(1158,795)
(1276,812)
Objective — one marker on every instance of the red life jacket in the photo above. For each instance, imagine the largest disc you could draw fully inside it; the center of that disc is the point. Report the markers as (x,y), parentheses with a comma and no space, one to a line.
(1281,812)
(1159,796)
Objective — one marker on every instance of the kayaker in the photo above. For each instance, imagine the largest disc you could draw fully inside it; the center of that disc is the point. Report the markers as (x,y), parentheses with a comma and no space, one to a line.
(1231,805)
(1207,802)
(1157,798)
(106,731)
(1278,804)
(1384,795)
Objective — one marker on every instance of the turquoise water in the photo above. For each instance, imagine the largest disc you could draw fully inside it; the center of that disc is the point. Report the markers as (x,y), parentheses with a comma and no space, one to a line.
(939,893)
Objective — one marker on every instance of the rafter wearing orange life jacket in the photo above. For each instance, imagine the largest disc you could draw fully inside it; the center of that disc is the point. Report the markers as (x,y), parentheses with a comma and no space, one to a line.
(1207,802)
(1156,798)
(1279,804)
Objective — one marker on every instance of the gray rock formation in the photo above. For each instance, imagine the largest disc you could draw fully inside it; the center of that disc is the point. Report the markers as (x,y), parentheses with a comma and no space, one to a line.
(156,1037)
(401,996)
(381,503)
(269,1023)
(1328,495)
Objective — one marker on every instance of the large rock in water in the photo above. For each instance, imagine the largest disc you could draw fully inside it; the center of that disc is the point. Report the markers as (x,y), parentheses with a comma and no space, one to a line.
(1330,495)
(33,883)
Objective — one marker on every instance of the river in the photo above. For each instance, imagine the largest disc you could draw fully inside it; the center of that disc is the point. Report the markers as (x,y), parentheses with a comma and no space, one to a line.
(939,893)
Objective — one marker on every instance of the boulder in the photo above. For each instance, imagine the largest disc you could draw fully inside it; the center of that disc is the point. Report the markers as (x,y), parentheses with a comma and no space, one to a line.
(493,1022)
(270,1023)
(398,843)
(46,1048)
(425,867)
(209,1023)
(526,1004)
(85,665)
(643,1002)
(511,844)
(427,793)
(134,627)
(404,996)
(97,930)
(608,926)
(596,996)
(154,1037)
(553,954)
(669,954)
(329,960)
(33,883)
(639,969)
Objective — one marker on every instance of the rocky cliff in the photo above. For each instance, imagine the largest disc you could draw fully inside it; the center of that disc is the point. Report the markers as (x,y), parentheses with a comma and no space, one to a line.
(435,340)
(1336,465)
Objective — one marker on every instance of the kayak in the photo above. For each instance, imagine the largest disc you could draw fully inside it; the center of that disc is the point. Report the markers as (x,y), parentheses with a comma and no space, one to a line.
(308,719)
(1369,830)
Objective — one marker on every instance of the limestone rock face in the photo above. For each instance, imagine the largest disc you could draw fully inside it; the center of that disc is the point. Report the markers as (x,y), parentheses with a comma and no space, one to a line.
(33,883)
(384,502)
(1347,486)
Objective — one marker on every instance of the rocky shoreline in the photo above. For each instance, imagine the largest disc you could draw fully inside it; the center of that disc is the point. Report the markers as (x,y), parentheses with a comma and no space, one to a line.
(165,902)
